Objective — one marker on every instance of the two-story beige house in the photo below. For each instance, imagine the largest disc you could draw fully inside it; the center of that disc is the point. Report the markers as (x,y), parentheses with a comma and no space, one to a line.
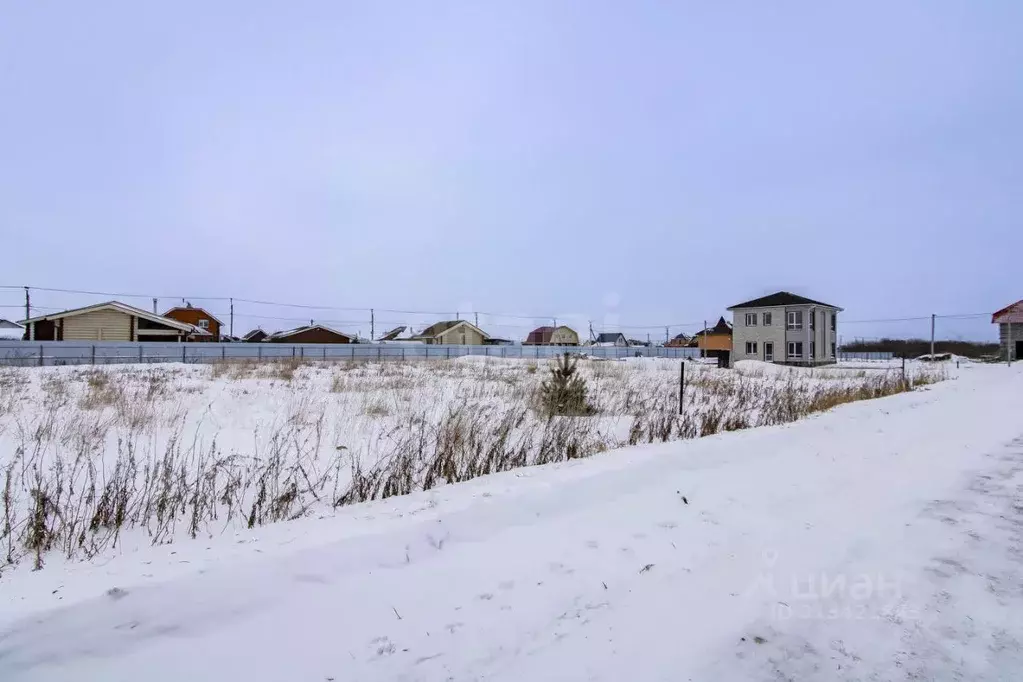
(786,329)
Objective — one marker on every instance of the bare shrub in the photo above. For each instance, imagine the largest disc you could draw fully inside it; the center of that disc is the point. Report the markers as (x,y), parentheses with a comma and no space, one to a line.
(109,453)
(101,391)
(376,409)
(285,369)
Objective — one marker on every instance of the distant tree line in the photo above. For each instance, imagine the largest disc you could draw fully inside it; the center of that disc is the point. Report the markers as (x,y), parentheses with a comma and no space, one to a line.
(912,348)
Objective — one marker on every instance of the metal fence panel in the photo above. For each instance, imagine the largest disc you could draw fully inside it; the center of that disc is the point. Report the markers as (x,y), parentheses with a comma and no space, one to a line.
(40,353)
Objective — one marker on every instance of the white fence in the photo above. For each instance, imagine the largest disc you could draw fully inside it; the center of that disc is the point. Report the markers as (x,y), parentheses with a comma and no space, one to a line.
(45,353)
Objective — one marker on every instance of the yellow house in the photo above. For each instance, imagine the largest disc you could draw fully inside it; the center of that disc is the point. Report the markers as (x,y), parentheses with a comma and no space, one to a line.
(552,336)
(110,321)
(453,332)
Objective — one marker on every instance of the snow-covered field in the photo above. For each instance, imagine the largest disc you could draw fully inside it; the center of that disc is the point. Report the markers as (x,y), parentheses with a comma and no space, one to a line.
(879,540)
(94,460)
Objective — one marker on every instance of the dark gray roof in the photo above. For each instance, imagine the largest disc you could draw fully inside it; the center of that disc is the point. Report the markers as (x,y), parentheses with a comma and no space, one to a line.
(609,337)
(722,327)
(393,334)
(778,299)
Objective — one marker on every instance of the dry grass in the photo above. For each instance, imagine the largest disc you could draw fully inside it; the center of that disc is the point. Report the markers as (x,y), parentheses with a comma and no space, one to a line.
(97,453)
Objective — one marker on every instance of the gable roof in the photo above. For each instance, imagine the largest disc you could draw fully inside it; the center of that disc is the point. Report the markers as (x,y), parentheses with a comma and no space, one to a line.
(1010,313)
(118,307)
(11,330)
(307,327)
(779,299)
(392,334)
(540,335)
(194,307)
(722,327)
(546,333)
(253,333)
(609,337)
(438,328)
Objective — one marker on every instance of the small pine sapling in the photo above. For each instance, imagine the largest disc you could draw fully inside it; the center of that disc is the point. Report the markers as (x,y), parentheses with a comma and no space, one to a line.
(565,392)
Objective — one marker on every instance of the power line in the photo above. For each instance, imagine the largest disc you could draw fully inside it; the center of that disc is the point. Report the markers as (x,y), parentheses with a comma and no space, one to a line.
(122,295)
(492,315)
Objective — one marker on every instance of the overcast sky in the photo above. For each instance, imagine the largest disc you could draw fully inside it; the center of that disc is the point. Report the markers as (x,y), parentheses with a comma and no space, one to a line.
(622,162)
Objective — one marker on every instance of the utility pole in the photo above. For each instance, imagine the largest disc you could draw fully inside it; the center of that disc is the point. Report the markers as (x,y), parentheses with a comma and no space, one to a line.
(28,305)
(932,336)
(702,342)
(372,324)
(476,316)
(154,305)
(666,339)
(232,315)
(592,337)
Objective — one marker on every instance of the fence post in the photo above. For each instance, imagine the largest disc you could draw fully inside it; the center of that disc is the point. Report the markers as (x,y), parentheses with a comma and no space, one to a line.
(259,352)
(40,355)
(223,352)
(427,347)
(403,353)
(301,352)
(353,352)
(379,349)
(681,385)
(292,351)
(183,347)
(140,353)
(324,352)
(94,354)
(449,352)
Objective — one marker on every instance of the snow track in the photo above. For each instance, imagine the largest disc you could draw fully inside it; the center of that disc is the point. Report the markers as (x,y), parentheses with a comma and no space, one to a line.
(879,541)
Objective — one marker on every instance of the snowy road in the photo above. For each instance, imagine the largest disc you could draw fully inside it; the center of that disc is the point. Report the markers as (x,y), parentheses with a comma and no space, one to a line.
(880,541)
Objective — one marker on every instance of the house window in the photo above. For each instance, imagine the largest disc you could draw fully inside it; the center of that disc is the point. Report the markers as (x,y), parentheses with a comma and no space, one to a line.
(813,319)
(796,350)
(834,324)
(204,324)
(751,319)
(769,352)
(832,348)
(813,350)
(767,319)
(794,319)
(751,348)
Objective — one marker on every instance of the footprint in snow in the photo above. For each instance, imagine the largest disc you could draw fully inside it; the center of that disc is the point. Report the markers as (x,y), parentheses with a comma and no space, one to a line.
(383,646)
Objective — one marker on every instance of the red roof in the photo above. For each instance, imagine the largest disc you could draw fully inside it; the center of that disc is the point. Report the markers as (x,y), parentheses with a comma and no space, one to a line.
(1010,313)
(540,335)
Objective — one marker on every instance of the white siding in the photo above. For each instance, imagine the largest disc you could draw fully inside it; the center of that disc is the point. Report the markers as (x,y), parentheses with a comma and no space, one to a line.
(760,333)
(98,325)
(778,334)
